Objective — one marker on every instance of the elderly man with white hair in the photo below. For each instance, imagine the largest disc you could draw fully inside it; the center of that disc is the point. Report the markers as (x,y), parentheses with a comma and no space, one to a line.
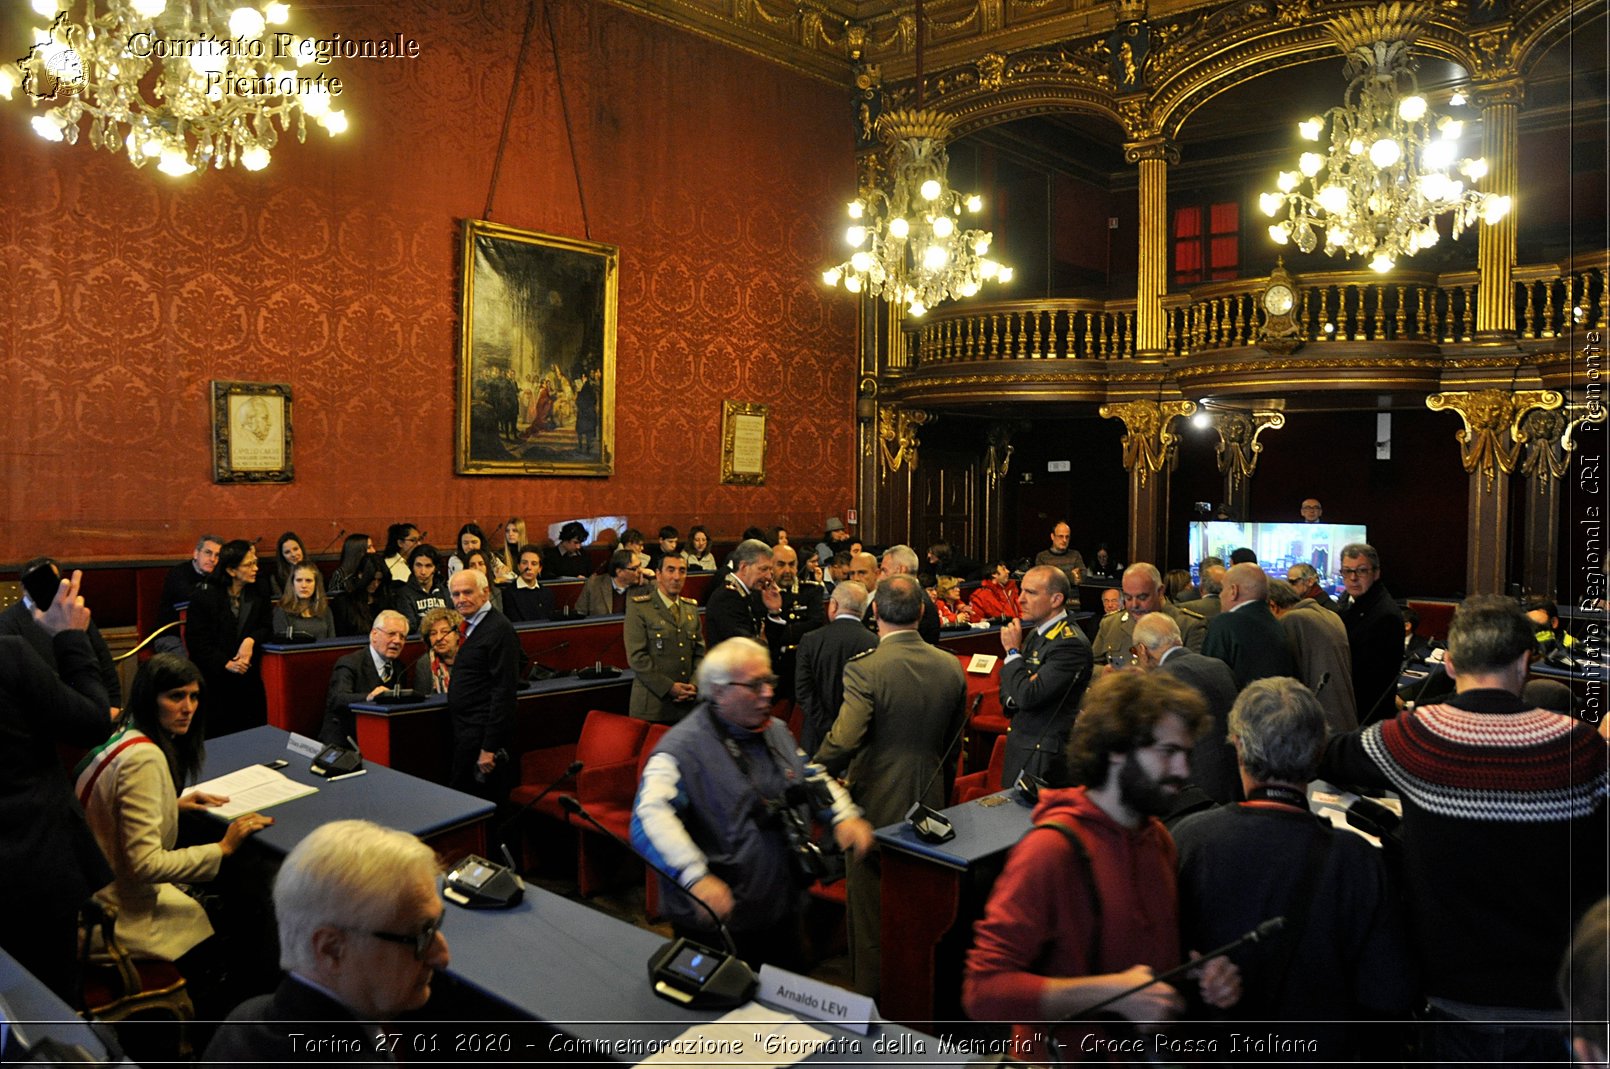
(481,692)
(1245,635)
(360,932)
(1158,648)
(1144,593)
(902,560)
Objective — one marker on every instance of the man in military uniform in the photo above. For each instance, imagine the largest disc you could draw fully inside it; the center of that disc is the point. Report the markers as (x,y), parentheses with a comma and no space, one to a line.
(804,607)
(1043,677)
(664,644)
(1143,593)
(748,604)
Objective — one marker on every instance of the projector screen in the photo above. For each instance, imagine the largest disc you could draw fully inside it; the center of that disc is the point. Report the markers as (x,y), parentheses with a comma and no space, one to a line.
(1278,546)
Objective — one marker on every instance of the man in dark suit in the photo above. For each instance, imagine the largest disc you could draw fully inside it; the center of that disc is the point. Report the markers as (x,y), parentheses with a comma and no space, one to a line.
(1209,604)
(481,693)
(819,673)
(19,620)
(1159,648)
(363,675)
(1304,578)
(348,966)
(1374,632)
(527,599)
(902,560)
(1246,635)
(42,828)
(181,584)
(748,604)
(1043,677)
(904,704)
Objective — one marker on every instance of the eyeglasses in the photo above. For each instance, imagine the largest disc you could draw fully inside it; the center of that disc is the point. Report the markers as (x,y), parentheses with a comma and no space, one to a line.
(1357,573)
(420,941)
(756,685)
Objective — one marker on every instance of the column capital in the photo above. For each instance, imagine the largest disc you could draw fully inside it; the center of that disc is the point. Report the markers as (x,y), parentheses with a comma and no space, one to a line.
(1238,432)
(1149,443)
(897,435)
(1494,49)
(1494,430)
(1499,91)
(1549,437)
(1154,148)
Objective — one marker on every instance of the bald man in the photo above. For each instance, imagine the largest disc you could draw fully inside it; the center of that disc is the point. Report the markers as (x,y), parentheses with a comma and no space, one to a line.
(1246,636)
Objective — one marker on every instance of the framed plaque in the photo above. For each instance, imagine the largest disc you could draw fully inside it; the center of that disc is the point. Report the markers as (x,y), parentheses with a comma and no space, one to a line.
(251,432)
(743,443)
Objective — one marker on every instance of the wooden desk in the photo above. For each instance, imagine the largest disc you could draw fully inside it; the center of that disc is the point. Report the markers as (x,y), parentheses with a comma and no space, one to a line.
(932,894)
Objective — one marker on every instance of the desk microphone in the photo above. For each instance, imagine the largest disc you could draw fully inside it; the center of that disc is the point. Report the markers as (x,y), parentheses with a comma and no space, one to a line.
(502,833)
(683,971)
(598,669)
(1264,931)
(931,825)
(339,535)
(540,671)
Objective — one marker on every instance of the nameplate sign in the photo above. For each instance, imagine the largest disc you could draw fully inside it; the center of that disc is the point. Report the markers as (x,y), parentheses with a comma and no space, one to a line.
(814,999)
(306,747)
(982,664)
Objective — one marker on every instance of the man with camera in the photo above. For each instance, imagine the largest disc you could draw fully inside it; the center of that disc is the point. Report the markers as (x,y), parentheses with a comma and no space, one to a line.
(725,805)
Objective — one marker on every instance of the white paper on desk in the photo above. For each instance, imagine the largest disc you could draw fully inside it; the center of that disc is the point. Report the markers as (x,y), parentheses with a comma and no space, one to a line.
(751,1036)
(251,790)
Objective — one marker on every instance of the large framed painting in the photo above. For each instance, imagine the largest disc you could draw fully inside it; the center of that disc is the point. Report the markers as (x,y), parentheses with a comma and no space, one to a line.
(251,432)
(536,371)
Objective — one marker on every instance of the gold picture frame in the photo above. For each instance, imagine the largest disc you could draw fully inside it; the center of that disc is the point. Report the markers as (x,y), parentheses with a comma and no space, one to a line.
(251,432)
(743,443)
(536,372)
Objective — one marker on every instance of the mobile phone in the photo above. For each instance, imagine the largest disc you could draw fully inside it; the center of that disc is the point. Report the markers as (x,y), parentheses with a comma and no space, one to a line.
(41,585)
(276,765)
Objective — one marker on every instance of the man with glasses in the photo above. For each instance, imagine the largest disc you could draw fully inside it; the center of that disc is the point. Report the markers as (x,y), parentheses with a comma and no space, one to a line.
(722,799)
(1304,579)
(1143,593)
(360,920)
(1312,510)
(1374,632)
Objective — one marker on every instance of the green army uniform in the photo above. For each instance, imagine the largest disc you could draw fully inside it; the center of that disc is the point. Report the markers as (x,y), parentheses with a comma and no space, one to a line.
(664,645)
(1117,631)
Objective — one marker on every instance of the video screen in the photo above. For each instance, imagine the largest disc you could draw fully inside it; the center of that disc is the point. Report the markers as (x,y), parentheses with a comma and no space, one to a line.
(594,525)
(1278,546)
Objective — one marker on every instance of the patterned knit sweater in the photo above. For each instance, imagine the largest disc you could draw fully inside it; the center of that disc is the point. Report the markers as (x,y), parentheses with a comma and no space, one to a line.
(1503,837)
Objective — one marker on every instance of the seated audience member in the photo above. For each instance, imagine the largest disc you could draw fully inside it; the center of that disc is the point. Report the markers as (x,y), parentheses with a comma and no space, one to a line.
(1304,579)
(180,586)
(776,536)
(434,669)
(1312,510)
(670,540)
(289,551)
(1504,836)
(1245,635)
(943,560)
(354,585)
(632,539)
(836,571)
(18,620)
(606,594)
(527,599)
(480,560)
(565,559)
(1318,643)
(700,559)
(130,786)
(1158,648)
(997,596)
(363,675)
(835,540)
(401,538)
(360,934)
(1064,557)
(1177,584)
(303,610)
(1112,599)
(425,589)
(1085,907)
(1584,985)
(470,539)
(1104,565)
(1270,856)
(508,562)
(224,625)
(1555,645)
(948,600)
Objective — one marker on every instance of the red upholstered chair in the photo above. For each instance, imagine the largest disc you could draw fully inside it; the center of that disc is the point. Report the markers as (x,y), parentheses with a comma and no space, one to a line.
(606,738)
(984,718)
(978,784)
(607,786)
(116,985)
(651,882)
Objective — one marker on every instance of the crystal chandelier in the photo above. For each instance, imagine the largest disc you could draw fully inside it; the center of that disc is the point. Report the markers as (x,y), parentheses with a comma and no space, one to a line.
(1383,181)
(184,83)
(910,242)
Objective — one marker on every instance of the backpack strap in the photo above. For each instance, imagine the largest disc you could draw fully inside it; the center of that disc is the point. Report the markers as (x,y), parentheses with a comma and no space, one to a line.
(1082,856)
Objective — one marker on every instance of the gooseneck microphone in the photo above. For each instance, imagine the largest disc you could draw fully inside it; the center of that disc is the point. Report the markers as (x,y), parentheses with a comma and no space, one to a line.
(931,825)
(502,838)
(1266,930)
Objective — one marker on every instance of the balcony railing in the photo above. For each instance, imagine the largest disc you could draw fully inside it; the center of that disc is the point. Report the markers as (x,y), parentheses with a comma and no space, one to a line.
(1340,306)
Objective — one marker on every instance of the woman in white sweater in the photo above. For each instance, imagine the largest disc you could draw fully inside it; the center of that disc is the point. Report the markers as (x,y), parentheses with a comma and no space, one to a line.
(129,786)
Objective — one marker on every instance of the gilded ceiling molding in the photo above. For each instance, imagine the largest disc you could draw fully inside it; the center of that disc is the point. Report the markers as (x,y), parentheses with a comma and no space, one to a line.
(1149,443)
(1494,431)
(897,436)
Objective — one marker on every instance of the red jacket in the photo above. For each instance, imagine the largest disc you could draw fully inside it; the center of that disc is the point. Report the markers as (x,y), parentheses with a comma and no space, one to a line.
(991,599)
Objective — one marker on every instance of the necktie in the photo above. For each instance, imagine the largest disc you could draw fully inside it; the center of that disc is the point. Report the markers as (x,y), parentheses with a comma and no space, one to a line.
(385,673)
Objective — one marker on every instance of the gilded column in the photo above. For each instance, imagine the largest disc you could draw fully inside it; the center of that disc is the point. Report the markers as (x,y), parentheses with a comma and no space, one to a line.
(1151,449)
(1495,248)
(1490,447)
(1238,451)
(1153,156)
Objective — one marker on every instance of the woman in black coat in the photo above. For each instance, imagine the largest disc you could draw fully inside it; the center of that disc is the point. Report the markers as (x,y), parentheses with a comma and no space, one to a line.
(226,621)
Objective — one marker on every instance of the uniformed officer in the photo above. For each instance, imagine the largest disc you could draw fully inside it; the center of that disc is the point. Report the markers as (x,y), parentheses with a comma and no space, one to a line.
(804,607)
(1143,593)
(664,644)
(1042,678)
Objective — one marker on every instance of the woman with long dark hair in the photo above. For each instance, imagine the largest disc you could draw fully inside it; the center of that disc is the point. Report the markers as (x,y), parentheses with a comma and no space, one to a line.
(470,539)
(700,559)
(130,788)
(289,551)
(303,611)
(355,586)
(226,620)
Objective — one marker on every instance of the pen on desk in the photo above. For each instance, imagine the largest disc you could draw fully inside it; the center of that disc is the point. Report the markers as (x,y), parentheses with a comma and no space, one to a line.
(347,775)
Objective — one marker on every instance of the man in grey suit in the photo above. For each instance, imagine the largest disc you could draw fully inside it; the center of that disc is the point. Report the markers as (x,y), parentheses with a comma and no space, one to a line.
(1245,635)
(900,723)
(1318,641)
(1158,648)
(819,668)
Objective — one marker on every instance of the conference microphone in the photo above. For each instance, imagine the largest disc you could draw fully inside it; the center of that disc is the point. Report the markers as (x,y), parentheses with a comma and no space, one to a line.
(502,837)
(1269,928)
(339,535)
(931,825)
(598,669)
(539,671)
(684,971)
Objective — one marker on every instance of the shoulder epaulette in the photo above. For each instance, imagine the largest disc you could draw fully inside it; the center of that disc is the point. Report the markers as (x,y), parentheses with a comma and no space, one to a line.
(687,601)
(641,599)
(863,653)
(1190,612)
(1059,631)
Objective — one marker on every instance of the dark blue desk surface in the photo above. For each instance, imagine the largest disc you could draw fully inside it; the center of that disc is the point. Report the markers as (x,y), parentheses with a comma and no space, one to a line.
(982,831)
(393,799)
(568,965)
(557,685)
(40,1012)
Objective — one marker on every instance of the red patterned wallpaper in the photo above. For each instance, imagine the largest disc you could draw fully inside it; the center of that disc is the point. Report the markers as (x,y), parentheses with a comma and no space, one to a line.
(126,292)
